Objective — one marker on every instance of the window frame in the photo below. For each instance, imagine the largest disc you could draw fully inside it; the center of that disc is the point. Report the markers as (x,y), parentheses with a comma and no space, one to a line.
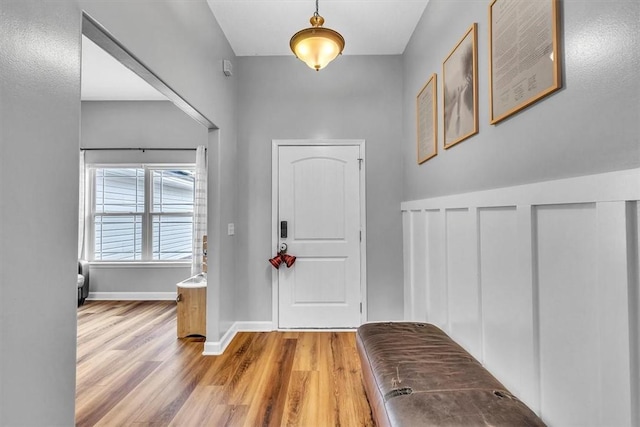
(147,215)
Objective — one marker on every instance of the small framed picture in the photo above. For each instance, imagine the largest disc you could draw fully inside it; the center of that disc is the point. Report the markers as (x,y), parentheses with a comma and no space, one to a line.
(427,115)
(460,89)
(524,57)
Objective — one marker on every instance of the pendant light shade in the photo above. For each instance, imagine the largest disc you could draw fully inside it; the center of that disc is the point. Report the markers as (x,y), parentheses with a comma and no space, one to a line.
(316,46)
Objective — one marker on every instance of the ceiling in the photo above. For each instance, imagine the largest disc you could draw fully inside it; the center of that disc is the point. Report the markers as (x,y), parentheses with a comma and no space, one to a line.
(369,27)
(106,79)
(263,28)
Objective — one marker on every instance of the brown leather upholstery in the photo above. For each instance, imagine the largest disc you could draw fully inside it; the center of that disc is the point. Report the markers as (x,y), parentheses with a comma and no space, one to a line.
(415,375)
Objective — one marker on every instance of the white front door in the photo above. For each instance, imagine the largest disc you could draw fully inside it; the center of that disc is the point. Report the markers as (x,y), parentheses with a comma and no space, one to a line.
(319,198)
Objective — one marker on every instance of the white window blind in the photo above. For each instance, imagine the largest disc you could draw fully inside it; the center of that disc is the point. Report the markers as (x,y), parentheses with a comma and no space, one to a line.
(142,213)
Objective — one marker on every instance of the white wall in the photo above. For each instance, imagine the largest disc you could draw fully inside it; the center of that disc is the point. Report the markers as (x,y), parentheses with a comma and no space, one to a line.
(39,141)
(539,283)
(355,97)
(142,124)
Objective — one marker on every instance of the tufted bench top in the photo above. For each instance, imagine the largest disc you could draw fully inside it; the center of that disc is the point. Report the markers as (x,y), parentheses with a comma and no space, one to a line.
(415,375)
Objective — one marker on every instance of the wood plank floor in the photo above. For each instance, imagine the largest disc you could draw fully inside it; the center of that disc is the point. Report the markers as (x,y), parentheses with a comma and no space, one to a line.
(133,371)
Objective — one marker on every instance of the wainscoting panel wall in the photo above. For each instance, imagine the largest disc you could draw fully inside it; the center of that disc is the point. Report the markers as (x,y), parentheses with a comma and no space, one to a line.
(540,283)
(462,277)
(437,295)
(508,345)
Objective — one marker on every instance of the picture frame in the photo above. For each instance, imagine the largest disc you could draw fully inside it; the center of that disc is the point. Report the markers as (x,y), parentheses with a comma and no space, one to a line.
(524,63)
(427,120)
(460,89)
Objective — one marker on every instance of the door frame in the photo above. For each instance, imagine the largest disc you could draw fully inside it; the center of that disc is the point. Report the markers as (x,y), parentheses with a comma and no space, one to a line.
(275,146)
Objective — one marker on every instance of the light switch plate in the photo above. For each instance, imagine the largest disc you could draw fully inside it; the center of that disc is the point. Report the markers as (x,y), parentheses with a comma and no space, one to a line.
(231,229)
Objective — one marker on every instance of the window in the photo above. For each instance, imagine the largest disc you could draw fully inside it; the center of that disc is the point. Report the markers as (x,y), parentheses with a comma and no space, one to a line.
(142,213)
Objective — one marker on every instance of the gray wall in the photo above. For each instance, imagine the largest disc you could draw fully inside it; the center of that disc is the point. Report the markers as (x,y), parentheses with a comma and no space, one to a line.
(591,125)
(136,278)
(183,44)
(40,112)
(355,97)
(144,124)
(40,118)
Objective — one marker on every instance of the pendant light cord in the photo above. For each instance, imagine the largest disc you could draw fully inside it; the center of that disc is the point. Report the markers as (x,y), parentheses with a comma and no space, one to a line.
(316,14)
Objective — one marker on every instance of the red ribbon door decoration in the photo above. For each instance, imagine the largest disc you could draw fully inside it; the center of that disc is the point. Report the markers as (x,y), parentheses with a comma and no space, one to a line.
(282,257)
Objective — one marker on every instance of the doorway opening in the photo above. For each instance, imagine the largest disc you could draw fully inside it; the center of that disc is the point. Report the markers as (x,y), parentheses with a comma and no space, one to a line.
(164,174)
(125,105)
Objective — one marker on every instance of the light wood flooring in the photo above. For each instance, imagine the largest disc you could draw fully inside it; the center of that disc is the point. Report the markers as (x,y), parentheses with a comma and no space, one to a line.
(133,371)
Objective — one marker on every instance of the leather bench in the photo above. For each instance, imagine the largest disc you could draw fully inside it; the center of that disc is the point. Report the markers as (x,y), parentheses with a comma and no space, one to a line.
(416,375)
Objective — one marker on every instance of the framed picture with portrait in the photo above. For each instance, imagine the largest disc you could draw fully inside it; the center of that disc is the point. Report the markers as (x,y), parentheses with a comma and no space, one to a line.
(460,89)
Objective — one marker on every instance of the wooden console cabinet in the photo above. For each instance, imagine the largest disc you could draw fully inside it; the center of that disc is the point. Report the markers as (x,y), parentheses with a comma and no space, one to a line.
(192,309)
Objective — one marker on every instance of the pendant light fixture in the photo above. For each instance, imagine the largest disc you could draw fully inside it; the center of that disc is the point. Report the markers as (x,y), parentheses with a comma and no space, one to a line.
(317,46)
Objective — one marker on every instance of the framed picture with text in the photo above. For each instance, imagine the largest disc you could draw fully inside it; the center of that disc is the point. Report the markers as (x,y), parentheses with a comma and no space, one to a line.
(427,115)
(524,57)
(460,89)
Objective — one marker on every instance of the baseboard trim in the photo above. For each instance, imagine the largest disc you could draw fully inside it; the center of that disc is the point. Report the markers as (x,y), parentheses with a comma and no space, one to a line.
(216,348)
(132,296)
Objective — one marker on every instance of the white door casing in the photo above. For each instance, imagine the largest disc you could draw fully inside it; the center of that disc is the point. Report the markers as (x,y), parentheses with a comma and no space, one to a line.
(319,191)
